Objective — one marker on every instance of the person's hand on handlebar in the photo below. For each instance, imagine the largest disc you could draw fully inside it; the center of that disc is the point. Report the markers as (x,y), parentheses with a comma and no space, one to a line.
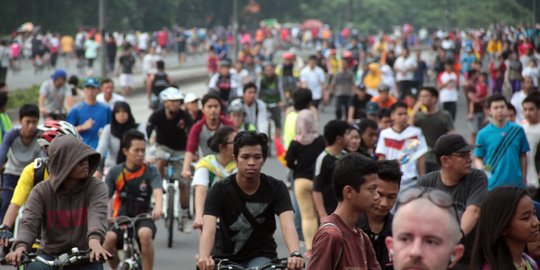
(157,213)
(186,174)
(15,257)
(295,263)
(206,263)
(98,253)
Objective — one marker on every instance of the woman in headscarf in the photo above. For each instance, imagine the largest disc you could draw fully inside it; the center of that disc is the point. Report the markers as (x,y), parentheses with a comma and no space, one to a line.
(122,120)
(373,78)
(301,158)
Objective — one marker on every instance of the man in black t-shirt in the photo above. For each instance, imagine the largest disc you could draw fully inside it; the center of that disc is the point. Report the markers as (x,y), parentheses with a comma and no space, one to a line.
(467,186)
(357,104)
(377,223)
(433,122)
(171,124)
(336,134)
(246,204)
(127,61)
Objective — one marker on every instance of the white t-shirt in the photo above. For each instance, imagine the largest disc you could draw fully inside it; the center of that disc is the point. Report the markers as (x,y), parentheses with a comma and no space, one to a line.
(149,63)
(516,100)
(115,98)
(143,41)
(313,78)
(405,64)
(531,72)
(201,177)
(393,145)
(449,93)
(532,132)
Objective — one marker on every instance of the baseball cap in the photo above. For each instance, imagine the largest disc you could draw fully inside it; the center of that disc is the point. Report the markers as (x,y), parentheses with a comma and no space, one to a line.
(451,143)
(91,82)
(190,97)
(372,108)
(59,73)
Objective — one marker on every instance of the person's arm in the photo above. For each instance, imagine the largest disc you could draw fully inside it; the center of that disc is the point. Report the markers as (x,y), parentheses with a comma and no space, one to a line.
(290,156)
(158,206)
(104,141)
(206,242)
(97,212)
(262,118)
(200,197)
(469,218)
(319,204)
(6,144)
(479,162)
(421,166)
(186,168)
(33,217)
(41,100)
(20,194)
(191,148)
(149,86)
(413,116)
(286,220)
(523,163)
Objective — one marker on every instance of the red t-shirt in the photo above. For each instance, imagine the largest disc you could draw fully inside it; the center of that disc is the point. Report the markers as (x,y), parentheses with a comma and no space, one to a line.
(337,246)
(212,64)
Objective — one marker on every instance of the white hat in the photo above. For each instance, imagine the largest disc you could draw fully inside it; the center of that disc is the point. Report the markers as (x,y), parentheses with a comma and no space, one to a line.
(190,97)
(171,93)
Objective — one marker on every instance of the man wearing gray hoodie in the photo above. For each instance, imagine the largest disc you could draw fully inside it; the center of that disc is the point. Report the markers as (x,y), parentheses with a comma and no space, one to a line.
(70,209)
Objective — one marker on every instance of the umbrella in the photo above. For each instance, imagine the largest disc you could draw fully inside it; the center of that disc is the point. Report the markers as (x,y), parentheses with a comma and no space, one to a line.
(312,24)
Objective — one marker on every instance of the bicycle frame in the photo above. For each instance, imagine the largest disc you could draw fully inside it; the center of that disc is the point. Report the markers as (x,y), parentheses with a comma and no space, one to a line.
(175,184)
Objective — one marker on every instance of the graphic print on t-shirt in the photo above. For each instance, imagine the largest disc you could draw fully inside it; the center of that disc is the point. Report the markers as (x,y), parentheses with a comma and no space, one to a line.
(244,227)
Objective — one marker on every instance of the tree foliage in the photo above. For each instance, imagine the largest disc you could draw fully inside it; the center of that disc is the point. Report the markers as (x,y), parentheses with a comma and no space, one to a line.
(368,15)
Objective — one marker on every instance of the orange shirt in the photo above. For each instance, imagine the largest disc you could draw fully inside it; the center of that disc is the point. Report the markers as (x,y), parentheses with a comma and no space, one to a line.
(386,104)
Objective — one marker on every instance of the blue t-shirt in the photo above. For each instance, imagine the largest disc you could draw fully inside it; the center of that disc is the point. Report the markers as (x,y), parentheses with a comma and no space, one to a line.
(100,113)
(502,159)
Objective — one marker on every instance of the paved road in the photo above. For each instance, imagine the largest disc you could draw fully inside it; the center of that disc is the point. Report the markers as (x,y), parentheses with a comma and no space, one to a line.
(27,77)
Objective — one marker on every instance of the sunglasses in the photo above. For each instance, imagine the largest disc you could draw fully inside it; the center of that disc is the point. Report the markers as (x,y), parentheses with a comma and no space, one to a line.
(437,197)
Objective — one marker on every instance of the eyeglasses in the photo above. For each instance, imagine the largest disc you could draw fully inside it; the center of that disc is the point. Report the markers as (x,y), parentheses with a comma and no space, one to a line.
(437,197)
(461,155)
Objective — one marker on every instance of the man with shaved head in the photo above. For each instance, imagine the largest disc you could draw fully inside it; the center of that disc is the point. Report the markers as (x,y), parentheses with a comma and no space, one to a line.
(425,231)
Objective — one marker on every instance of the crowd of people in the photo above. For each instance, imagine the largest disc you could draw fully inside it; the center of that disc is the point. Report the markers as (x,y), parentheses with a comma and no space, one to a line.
(388,183)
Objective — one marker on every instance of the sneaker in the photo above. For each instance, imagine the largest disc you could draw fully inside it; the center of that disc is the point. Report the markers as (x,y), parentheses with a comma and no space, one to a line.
(184,225)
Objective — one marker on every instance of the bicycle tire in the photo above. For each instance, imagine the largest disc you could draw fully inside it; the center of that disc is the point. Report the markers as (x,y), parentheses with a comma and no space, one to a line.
(170,215)
(125,266)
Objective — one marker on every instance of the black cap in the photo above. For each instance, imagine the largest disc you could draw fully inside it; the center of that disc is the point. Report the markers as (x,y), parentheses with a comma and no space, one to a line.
(452,143)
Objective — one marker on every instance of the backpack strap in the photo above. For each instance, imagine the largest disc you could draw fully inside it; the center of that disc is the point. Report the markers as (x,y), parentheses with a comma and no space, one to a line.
(327,224)
(40,165)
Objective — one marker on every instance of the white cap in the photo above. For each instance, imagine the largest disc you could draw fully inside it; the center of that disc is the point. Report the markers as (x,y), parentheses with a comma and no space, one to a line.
(190,97)
(171,93)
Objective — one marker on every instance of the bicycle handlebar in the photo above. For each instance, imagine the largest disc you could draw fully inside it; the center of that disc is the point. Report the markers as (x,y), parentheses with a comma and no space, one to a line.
(124,220)
(278,263)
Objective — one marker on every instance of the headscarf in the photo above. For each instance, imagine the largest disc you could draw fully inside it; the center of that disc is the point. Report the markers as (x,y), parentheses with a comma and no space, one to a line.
(118,130)
(373,78)
(306,127)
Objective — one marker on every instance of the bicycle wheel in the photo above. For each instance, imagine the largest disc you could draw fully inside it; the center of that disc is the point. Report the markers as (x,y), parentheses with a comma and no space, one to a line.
(170,215)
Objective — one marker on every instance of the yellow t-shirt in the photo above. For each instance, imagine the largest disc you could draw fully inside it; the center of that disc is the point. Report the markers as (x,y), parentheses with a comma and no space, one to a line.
(66,44)
(25,184)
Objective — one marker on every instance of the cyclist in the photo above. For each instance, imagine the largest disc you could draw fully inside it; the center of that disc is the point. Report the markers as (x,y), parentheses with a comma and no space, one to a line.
(134,183)
(289,72)
(213,168)
(237,114)
(203,130)
(171,124)
(52,94)
(156,84)
(33,173)
(246,204)
(19,147)
(255,108)
(70,209)
(224,83)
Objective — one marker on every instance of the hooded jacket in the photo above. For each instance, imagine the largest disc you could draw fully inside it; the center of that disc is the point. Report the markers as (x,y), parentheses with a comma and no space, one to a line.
(66,219)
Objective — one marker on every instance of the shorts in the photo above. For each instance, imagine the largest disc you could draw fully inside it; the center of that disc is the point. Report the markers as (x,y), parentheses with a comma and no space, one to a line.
(477,122)
(143,223)
(126,80)
(164,151)
(275,115)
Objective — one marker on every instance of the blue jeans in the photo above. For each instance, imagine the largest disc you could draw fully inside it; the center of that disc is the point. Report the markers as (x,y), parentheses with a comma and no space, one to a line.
(255,262)
(41,266)
(297,216)
(10,181)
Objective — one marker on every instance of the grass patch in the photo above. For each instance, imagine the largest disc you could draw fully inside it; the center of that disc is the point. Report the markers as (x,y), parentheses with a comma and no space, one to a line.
(23,96)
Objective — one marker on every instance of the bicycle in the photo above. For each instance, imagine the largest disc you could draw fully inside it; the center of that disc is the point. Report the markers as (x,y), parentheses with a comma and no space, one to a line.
(276,264)
(132,258)
(73,258)
(171,197)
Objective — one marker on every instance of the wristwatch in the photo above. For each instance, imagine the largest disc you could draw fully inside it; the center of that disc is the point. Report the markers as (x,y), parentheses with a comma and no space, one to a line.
(296,254)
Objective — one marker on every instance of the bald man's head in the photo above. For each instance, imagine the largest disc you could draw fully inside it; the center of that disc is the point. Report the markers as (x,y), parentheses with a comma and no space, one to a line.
(425,236)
